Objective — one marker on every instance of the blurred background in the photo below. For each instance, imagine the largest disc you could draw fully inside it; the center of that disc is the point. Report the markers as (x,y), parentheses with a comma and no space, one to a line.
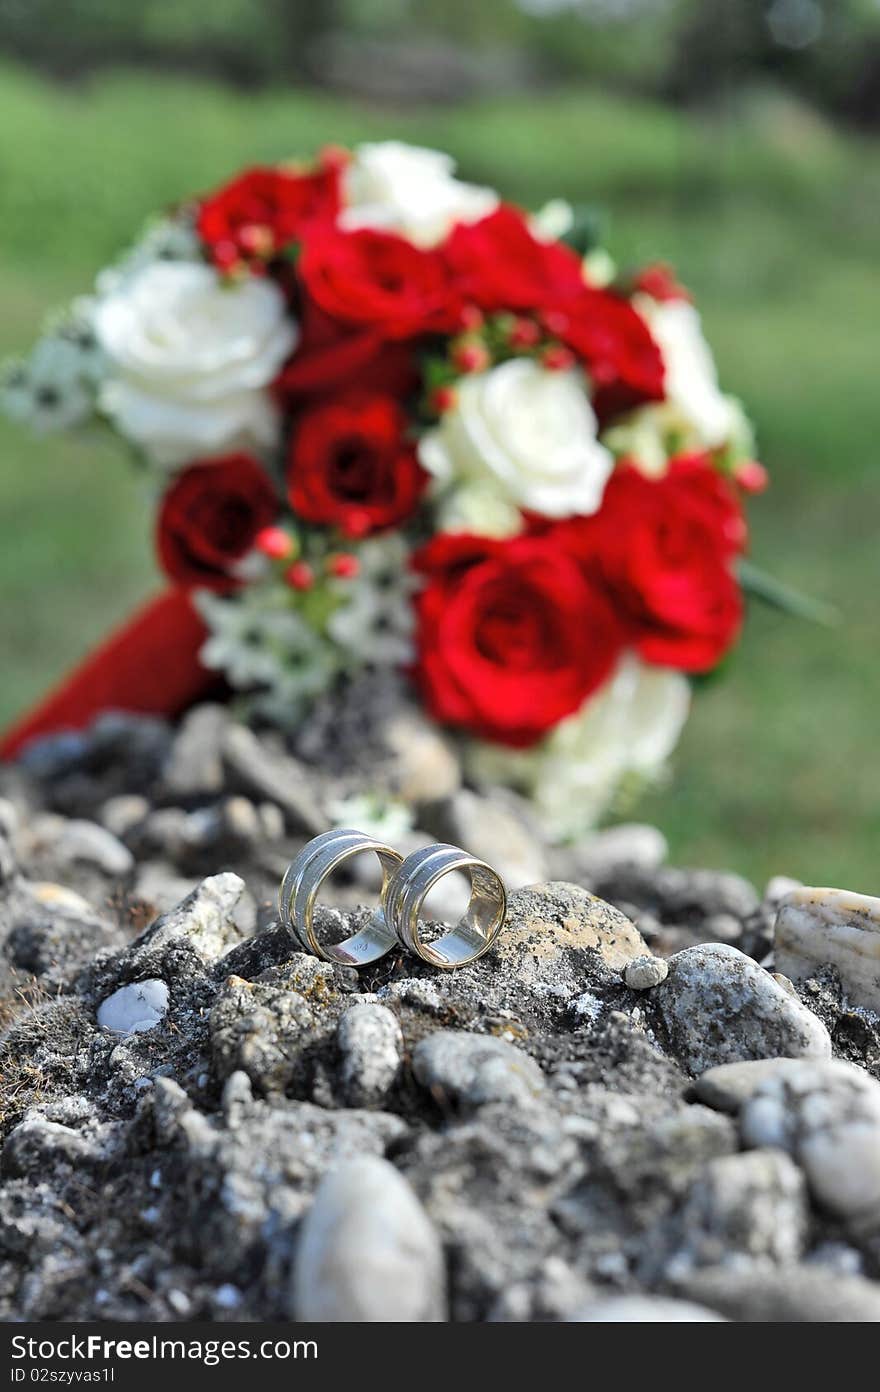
(739,139)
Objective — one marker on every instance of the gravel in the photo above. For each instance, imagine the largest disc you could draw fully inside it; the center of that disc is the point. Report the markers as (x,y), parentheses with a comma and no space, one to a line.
(611,1116)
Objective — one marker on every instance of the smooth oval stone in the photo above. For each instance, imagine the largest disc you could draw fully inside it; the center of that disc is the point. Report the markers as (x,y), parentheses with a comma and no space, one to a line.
(135,1008)
(718,1006)
(367,1251)
(476,1068)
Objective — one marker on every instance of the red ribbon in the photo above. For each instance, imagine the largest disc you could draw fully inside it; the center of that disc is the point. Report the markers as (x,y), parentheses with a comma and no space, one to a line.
(149,666)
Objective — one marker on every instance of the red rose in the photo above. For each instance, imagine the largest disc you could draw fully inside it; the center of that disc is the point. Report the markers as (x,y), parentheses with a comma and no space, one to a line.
(380,281)
(209,518)
(331,355)
(352,467)
(664,550)
(263,210)
(512,637)
(615,345)
(498,263)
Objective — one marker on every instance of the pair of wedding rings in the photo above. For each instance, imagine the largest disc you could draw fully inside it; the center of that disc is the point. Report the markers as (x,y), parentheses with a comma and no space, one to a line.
(405,886)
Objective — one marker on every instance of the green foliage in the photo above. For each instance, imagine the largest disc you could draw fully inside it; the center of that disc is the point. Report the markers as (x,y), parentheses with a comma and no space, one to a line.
(771,219)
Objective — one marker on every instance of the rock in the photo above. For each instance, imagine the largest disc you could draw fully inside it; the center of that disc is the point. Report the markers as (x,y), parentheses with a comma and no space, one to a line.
(474,1069)
(777,888)
(828,1117)
(815,926)
(644,972)
(203,919)
(421,763)
(620,847)
(77,841)
(798,1292)
(257,1028)
(367,1251)
(122,813)
(38,1142)
(718,1006)
(371,1046)
(752,1206)
(269,773)
(729,1085)
(135,1008)
(646,1309)
(194,765)
(492,829)
(546,922)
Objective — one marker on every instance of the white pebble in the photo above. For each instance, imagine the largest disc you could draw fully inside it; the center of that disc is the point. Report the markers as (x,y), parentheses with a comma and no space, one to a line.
(644,972)
(367,1251)
(134,1009)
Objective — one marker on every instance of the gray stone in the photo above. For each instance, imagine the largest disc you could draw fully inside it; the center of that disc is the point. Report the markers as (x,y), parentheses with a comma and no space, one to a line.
(494,829)
(799,1293)
(629,844)
(473,1069)
(828,1117)
(269,773)
(257,1028)
(37,1142)
(371,1046)
(121,814)
(729,1085)
(644,972)
(367,1251)
(718,1006)
(750,1206)
(195,760)
(77,841)
(645,1309)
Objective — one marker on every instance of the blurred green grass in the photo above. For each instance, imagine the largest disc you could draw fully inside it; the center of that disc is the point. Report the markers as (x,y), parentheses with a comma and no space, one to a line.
(771,218)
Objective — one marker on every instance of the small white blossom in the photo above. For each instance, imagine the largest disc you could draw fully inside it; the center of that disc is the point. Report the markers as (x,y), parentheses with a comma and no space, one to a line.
(375,622)
(49,390)
(258,640)
(381,817)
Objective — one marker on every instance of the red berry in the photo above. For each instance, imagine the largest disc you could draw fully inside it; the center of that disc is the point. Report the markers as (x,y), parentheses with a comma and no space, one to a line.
(751,476)
(275,543)
(256,239)
(300,576)
(344,565)
(557,358)
(471,317)
(524,333)
(471,357)
(443,399)
(227,257)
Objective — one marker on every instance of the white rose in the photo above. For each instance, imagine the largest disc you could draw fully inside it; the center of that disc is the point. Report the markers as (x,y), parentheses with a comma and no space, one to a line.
(406,189)
(691,376)
(190,358)
(628,729)
(526,434)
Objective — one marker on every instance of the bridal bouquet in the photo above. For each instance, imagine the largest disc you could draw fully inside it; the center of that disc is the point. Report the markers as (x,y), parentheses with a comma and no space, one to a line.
(394,420)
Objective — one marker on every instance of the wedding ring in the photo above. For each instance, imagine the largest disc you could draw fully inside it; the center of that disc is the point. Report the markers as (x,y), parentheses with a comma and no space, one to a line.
(478,927)
(299,891)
